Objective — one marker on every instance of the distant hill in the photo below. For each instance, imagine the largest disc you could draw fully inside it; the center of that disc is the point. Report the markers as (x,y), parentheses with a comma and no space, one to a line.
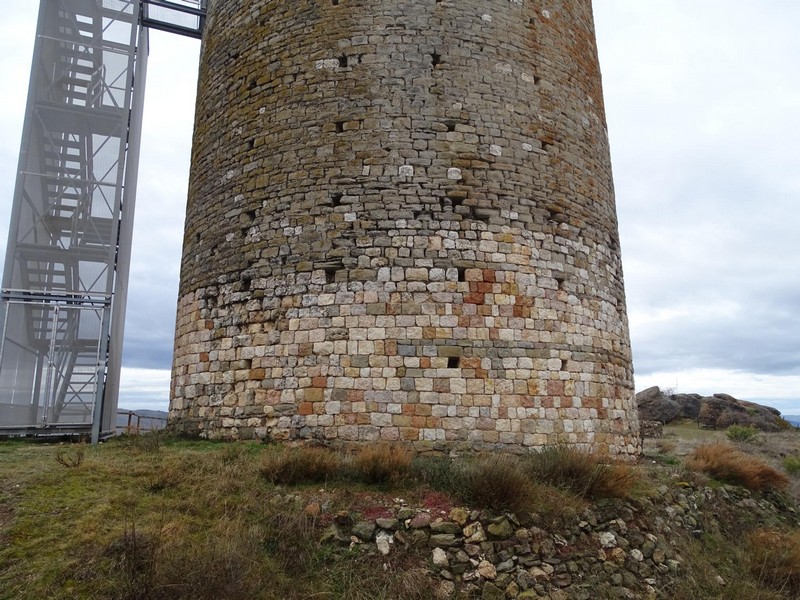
(793,419)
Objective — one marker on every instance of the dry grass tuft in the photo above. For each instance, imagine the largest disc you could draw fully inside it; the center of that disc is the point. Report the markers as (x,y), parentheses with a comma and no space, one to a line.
(383,463)
(726,463)
(497,482)
(300,465)
(774,559)
(586,475)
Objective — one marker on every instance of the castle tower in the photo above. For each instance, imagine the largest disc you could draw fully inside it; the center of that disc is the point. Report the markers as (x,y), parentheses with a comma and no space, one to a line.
(401,226)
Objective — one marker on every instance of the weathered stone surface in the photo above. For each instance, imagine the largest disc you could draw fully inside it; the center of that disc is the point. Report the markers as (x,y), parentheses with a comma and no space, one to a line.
(383,542)
(501,529)
(401,227)
(440,558)
(364,530)
(389,524)
(654,405)
(487,570)
(440,526)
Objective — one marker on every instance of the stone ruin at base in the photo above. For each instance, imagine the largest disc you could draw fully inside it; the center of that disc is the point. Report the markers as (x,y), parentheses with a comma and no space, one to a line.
(401,227)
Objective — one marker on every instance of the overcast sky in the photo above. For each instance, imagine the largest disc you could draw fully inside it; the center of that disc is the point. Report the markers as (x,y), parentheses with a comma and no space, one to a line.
(703,106)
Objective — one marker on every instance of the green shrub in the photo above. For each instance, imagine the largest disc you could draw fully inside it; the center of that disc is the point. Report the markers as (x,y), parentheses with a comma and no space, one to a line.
(792,464)
(741,433)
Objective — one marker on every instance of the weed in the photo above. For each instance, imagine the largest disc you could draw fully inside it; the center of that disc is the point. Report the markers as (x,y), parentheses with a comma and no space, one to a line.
(792,464)
(300,465)
(383,463)
(741,433)
(725,463)
(71,459)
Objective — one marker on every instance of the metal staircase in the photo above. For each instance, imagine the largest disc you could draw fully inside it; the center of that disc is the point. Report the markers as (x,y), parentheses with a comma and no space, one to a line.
(65,279)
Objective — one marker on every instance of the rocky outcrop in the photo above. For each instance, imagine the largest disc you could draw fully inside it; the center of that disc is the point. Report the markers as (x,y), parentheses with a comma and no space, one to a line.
(713,412)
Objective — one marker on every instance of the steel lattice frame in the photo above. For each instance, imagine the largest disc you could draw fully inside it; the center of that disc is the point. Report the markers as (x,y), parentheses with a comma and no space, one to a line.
(64,285)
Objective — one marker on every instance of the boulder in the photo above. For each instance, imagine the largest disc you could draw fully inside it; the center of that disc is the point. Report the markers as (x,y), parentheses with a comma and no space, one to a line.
(655,405)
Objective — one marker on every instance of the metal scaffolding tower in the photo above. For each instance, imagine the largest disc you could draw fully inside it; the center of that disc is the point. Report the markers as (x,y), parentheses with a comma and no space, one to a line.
(64,285)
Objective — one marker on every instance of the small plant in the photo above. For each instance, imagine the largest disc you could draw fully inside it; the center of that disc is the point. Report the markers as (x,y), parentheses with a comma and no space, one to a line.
(792,464)
(774,558)
(382,464)
(726,463)
(741,433)
(71,459)
(300,465)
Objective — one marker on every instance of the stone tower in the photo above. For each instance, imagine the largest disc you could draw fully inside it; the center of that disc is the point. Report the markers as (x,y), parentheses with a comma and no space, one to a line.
(401,226)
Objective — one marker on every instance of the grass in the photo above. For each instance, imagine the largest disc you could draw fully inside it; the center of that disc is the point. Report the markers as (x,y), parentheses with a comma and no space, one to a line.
(180,520)
(774,559)
(162,519)
(291,466)
(383,464)
(725,463)
(586,475)
(792,464)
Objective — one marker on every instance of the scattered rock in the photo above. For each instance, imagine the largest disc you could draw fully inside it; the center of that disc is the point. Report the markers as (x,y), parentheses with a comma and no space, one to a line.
(383,541)
(440,526)
(607,540)
(440,558)
(443,539)
(459,515)
(501,529)
(388,524)
(420,520)
(487,570)
(364,530)
(492,592)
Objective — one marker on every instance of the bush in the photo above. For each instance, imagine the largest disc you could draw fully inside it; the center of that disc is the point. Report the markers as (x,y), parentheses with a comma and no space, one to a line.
(741,433)
(792,464)
(496,482)
(585,475)
(300,465)
(382,463)
(725,463)
(774,559)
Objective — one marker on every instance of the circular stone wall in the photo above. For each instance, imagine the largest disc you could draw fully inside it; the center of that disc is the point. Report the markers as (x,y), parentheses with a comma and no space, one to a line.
(401,226)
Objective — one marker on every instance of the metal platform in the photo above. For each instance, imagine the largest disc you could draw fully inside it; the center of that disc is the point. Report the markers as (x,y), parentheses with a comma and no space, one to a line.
(64,286)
